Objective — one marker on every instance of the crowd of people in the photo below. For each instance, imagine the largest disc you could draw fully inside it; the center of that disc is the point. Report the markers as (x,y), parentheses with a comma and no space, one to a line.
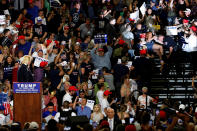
(95,60)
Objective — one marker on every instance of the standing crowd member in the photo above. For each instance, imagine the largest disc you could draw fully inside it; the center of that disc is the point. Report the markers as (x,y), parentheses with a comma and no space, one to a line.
(95,61)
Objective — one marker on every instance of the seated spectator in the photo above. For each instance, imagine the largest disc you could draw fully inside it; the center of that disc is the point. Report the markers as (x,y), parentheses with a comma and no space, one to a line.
(49,114)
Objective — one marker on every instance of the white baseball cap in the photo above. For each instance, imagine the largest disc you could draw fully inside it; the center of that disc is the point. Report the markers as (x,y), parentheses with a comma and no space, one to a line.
(187,10)
(182,106)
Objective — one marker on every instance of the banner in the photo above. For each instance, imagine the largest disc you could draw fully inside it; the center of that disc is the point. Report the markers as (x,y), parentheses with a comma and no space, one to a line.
(171,30)
(90,103)
(26,87)
(143,9)
(100,39)
(135,15)
(2,19)
(38,60)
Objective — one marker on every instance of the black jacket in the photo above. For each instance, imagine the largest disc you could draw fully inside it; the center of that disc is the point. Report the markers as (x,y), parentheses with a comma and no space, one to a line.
(116,121)
(24,74)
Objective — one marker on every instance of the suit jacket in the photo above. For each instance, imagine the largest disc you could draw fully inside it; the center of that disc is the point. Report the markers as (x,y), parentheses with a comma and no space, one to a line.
(116,121)
(24,74)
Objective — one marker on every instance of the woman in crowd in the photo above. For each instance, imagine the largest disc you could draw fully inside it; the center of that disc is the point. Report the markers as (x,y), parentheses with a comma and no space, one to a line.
(96,116)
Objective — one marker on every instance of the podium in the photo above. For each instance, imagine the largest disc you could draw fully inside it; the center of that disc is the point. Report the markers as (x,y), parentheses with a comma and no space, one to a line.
(27,102)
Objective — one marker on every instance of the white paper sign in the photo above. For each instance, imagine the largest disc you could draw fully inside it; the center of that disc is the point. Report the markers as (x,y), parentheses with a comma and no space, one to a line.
(135,15)
(2,19)
(95,74)
(143,8)
(90,103)
(119,61)
(171,30)
(129,64)
(6,12)
(38,60)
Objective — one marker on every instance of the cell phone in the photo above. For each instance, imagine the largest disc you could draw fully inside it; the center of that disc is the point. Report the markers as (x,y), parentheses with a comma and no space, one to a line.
(131,120)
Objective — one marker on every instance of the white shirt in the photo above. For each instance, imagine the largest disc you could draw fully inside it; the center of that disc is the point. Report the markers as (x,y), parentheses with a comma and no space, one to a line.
(111,123)
(192,44)
(142,100)
(2,119)
(134,88)
(100,96)
(104,105)
(67,97)
(43,20)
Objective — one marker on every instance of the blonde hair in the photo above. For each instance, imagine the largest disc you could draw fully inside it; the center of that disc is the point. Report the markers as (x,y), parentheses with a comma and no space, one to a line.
(6,48)
(97,105)
(25,59)
(84,84)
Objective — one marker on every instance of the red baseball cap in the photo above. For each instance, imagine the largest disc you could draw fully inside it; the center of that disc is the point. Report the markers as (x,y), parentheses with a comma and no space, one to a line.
(21,37)
(100,49)
(66,27)
(193,28)
(107,92)
(30,1)
(143,52)
(73,88)
(143,35)
(121,42)
(185,21)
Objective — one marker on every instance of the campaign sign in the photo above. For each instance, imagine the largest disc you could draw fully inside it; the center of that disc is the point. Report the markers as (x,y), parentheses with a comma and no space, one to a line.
(171,30)
(100,39)
(26,87)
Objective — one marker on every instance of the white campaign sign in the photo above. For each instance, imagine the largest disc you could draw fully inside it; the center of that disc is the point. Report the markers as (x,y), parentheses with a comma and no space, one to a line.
(95,76)
(90,103)
(2,19)
(135,15)
(143,8)
(171,30)
(38,60)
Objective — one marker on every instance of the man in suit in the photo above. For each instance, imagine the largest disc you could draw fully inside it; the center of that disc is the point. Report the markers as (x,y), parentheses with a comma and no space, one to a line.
(112,119)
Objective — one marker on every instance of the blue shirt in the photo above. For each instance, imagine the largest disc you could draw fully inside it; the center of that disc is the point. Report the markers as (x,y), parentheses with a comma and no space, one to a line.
(33,12)
(25,48)
(3,97)
(47,113)
(85,112)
